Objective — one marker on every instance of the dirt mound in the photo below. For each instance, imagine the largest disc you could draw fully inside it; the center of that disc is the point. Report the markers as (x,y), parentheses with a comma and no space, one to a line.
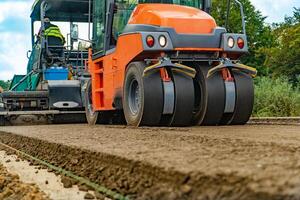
(12,188)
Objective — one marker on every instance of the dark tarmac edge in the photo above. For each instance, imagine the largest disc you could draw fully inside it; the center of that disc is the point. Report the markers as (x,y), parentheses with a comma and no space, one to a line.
(138,180)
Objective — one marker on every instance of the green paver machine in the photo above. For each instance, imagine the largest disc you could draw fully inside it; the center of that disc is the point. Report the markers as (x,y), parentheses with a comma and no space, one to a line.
(51,89)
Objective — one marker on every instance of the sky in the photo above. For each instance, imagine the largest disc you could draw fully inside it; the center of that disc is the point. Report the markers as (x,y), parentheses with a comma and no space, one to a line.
(15,39)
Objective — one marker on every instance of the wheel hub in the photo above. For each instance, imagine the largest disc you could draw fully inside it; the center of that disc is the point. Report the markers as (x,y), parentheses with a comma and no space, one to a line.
(134,97)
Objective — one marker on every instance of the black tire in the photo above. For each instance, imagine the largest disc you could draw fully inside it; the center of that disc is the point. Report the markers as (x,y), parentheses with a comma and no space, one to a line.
(209,110)
(91,115)
(142,96)
(244,98)
(184,100)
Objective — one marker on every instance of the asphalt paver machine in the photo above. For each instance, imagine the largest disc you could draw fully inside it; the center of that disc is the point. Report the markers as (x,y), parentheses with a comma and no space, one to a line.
(51,89)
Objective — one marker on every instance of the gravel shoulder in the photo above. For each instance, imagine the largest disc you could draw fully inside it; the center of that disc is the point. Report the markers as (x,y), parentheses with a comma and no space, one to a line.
(238,162)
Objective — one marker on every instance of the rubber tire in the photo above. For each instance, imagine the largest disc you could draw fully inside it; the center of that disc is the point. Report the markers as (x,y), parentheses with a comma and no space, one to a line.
(212,97)
(91,117)
(184,100)
(244,98)
(151,96)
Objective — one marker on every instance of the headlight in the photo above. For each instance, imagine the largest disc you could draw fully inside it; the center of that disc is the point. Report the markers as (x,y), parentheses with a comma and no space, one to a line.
(230,42)
(162,41)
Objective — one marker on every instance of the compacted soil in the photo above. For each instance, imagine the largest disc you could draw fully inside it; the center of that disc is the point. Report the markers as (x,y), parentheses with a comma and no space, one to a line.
(232,162)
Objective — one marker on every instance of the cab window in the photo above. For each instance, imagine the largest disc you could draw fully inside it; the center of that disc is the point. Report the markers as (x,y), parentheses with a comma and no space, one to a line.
(191,3)
(122,14)
(99,25)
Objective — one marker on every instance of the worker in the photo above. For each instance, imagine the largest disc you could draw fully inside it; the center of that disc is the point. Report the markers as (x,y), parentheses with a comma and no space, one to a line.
(52,33)
(54,38)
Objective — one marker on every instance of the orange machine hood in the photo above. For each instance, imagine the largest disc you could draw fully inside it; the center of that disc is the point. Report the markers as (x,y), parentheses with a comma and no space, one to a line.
(183,19)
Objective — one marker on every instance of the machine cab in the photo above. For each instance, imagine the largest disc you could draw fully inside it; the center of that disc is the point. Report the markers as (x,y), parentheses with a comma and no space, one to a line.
(69,17)
(107,28)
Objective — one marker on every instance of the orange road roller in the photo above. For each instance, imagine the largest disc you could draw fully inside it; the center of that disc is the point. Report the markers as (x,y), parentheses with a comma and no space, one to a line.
(165,63)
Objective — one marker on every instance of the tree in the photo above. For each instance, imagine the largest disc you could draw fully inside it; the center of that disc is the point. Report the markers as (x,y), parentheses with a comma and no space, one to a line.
(4,84)
(284,57)
(292,20)
(258,33)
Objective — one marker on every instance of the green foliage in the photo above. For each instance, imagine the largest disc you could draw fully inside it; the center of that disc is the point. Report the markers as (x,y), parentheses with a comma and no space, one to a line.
(4,84)
(273,49)
(258,33)
(293,19)
(284,57)
(276,98)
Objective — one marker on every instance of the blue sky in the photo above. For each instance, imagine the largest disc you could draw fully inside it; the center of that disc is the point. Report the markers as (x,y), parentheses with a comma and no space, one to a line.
(15,30)
(14,37)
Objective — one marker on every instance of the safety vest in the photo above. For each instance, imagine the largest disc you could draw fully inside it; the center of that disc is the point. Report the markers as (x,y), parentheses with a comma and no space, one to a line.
(54,31)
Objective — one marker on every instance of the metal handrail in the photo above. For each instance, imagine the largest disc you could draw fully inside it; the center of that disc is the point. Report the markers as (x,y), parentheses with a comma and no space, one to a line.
(22,80)
(242,14)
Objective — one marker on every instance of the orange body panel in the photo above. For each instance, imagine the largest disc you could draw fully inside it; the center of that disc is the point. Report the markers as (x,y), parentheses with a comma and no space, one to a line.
(183,19)
(108,72)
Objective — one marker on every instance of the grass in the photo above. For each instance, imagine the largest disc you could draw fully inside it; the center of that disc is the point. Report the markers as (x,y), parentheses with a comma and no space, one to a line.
(276,98)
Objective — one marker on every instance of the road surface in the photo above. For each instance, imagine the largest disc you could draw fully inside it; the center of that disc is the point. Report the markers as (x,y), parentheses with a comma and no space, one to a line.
(231,162)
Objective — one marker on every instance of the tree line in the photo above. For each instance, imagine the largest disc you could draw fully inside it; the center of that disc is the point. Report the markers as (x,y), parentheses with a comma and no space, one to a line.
(273,48)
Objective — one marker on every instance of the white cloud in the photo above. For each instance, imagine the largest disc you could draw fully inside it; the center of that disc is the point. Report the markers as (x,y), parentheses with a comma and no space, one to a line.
(17,9)
(14,45)
(13,54)
(275,10)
